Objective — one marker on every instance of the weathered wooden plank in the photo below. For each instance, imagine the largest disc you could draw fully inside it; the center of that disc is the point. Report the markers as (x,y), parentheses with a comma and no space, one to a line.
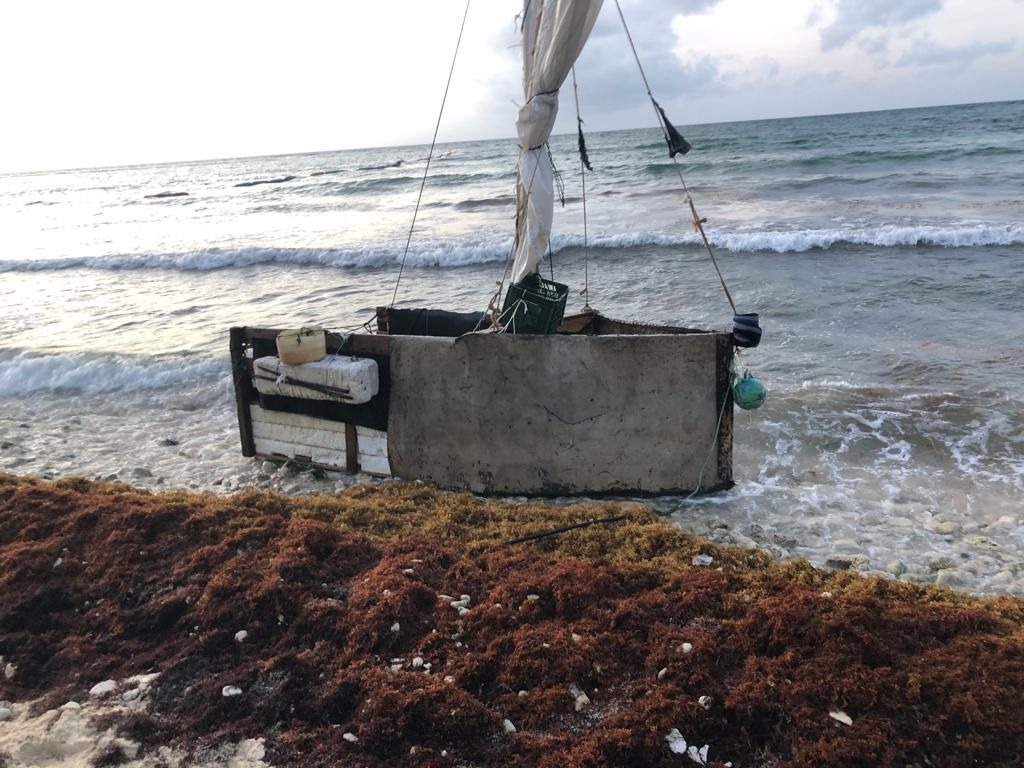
(321,438)
(375,465)
(239,372)
(299,420)
(351,448)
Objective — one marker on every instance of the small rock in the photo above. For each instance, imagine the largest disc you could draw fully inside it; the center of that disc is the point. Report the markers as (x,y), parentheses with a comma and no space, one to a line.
(10,671)
(409,572)
(533,598)
(131,694)
(581,699)
(699,756)
(896,567)
(417,662)
(662,672)
(230,690)
(396,627)
(463,611)
(981,542)
(241,636)
(444,752)
(685,648)
(939,562)
(576,638)
(521,694)
(840,716)
(949,577)
(703,560)
(350,737)
(705,701)
(846,562)
(466,599)
(102,689)
(449,679)
(676,742)
(5,713)
(508,726)
(268,467)
(57,562)
(943,528)
(167,442)
(141,472)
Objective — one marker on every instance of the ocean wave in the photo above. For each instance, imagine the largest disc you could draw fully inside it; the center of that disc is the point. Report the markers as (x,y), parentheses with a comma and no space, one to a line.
(24,373)
(456,254)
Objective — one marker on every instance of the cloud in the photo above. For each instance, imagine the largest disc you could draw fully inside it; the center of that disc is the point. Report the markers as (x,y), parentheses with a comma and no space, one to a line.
(855,16)
(927,53)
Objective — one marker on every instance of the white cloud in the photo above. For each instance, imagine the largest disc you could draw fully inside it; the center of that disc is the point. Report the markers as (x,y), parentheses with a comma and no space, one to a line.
(119,81)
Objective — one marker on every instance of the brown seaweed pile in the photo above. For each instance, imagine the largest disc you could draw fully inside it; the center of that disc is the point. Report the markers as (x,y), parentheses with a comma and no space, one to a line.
(592,645)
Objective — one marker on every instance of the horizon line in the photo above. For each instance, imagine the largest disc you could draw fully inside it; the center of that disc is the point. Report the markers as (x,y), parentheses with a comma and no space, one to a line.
(687,126)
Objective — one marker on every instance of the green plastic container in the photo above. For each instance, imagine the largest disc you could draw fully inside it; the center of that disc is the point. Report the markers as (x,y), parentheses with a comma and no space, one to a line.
(534,305)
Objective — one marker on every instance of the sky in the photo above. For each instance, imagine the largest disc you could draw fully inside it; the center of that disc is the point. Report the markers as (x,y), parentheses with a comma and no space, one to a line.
(112,82)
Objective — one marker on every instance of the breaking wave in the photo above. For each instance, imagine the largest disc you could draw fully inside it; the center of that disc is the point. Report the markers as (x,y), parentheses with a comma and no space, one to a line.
(23,373)
(456,254)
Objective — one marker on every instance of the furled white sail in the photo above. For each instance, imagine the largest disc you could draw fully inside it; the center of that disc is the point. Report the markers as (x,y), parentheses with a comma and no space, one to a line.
(554,32)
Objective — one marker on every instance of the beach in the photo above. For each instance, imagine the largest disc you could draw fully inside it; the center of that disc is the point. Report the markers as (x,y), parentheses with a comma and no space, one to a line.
(398,624)
(882,250)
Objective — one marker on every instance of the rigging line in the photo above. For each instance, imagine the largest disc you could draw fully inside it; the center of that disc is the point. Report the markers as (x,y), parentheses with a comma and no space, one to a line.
(698,222)
(583,183)
(430,155)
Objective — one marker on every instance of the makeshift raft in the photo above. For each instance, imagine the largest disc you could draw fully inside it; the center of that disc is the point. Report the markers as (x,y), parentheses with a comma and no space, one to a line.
(602,406)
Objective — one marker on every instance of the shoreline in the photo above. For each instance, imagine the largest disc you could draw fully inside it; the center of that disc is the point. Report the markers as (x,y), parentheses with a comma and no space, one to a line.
(393,624)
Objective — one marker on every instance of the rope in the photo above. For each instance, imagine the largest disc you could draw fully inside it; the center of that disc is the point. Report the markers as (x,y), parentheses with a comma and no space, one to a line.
(564,529)
(698,222)
(583,184)
(430,156)
(714,442)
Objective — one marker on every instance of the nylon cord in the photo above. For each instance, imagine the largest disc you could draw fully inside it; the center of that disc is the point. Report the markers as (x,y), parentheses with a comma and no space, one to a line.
(430,155)
(698,222)
(583,184)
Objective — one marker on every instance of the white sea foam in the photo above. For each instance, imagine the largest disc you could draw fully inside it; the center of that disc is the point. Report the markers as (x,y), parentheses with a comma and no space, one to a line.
(457,254)
(24,374)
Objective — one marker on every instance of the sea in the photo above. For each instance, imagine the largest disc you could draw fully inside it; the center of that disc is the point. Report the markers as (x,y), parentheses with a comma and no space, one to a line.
(883,251)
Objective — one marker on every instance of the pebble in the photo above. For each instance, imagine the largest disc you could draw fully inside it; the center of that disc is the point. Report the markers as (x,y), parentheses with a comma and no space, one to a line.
(5,713)
(10,671)
(896,567)
(396,627)
(268,467)
(949,577)
(521,694)
(508,726)
(703,560)
(409,572)
(417,662)
(350,737)
(449,678)
(533,598)
(847,562)
(940,562)
(662,672)
(582,700)
(676,742)
(241,636)
(102,689)
(943,527)
(685,648)
(131,694)
(840,716)
(705,701)
(230,690)
(141,472)
(577,638)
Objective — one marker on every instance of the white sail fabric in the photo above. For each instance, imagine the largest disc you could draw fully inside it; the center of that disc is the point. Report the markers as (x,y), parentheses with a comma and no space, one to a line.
(554,32)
